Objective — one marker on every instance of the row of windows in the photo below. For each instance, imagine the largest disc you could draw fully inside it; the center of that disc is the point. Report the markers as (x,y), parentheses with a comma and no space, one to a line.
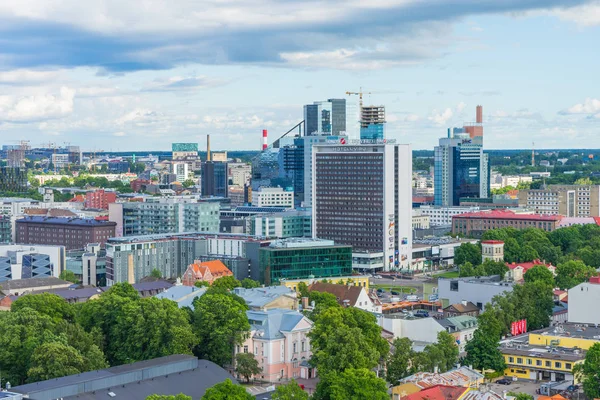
(538,363)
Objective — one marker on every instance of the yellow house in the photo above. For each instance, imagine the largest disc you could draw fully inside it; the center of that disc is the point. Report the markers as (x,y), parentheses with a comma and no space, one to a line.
(584,340)
(356,280)
(538,363)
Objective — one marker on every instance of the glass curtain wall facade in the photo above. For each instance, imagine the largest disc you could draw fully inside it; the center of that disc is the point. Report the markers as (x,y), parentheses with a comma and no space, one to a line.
(303,263)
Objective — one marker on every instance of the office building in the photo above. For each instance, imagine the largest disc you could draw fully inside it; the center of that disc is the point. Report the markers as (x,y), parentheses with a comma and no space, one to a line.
(164,215)
(13,179)
(461,168)
(129,259)
(21,262)
(182,171)
(282,225)
(475,224)
(297,258)
(582,301)
(273,197)
(362,198)
(88,265)
(479,291)
(372,123)
(99,199)
(443,215)
(5,229)
(180,151)
(215,175)
(325,117)
(239,173)
(566,200)
(73,233)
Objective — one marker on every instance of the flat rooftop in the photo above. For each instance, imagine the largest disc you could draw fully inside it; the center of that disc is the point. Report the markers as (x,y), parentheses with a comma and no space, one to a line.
(65,221)
(582,331)
(557,353)
(299,242)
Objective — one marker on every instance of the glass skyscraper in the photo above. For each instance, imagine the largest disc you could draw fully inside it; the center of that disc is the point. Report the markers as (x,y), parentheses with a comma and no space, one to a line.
(325,117)
(372,123)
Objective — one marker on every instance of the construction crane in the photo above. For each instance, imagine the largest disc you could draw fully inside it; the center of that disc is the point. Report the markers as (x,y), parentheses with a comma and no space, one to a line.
(360,96)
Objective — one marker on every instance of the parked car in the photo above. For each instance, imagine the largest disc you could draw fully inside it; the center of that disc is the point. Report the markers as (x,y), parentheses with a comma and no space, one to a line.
(504,381)
(378,277)
(395,293)
(380,291)
(573,388)
(421,314)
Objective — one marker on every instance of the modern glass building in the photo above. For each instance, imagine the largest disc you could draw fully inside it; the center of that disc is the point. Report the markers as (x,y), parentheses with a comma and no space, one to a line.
(282,224)
(36,265)
(372,132)
(461,169)
(5,269)
(302,259)
(372,123)
(13,179)
(214,179)
(5,229)
(325,117)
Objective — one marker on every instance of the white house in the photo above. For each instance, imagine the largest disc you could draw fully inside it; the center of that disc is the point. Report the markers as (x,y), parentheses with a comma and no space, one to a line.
(583,301)
(349,296)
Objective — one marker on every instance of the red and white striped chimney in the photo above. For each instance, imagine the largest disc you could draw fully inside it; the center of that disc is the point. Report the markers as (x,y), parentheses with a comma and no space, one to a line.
(264,144)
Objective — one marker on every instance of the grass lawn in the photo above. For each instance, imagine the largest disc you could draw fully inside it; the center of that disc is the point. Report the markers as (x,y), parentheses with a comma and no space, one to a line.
(450,274)
(401,289)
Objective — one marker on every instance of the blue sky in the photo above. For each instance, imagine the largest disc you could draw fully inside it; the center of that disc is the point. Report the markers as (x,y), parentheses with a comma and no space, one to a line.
(142,74)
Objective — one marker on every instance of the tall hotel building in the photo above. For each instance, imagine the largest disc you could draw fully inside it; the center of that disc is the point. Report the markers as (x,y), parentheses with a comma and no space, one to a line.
(362,197)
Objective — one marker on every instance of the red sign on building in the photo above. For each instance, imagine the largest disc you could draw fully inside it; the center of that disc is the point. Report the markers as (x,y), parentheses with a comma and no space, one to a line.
(518,327)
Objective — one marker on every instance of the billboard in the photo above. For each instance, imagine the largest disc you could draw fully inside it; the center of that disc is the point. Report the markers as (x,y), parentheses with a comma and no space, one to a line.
(518,327)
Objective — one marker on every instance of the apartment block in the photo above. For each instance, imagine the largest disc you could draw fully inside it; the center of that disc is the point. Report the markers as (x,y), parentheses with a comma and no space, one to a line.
(99,199)
(273,197)
(282,225)
(443,215)
(73,233)
(567,200)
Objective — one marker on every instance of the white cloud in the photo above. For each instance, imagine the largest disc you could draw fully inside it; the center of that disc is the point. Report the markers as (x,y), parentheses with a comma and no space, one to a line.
(589,106)
(25,76)
(38,107)
(179,83)
(460,107)
(584,15)
(441,118)
(119,134)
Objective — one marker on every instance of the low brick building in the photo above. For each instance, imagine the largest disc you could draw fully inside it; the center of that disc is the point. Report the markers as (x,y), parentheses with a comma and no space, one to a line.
(99,199)
(474,224)
(73,233)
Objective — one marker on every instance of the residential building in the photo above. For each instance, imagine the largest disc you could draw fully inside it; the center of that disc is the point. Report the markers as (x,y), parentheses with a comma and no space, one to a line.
(269,297)
(273,197)
(282,225)
(439,392)
(240,173)
(5,229)
(362,198)
(582,301)
(72,233)
(164,215)
(372,123)
(569,335)
(478,291)
(443,215)
(461,377)
(327,117)
(462,328)
(492,250)
(99,199)
(182,172)
(13,179)
(464,308)
(529,361)
(279,341)
(204,271)
(349,296)
(19,287)
(567,200)
(184,296)
(168,375)
(302,258)
(422,331)
(475,224)
(516,271)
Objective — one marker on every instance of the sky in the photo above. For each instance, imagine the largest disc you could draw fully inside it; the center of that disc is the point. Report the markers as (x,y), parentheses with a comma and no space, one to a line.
(138,75)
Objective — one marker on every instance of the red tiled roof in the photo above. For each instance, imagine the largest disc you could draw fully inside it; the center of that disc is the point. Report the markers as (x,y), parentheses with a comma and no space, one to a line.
(438,392)
(492,242)
(527,265)
(597,220)
(507,214)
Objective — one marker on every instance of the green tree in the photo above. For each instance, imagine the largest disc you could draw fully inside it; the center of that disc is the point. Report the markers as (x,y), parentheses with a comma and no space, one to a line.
(303,289)
(69,276)
(572,273)
(220,323)
(201,284)
(188,183)
(54,360)
(156,273)
(246,365)
(449,350)
(48,304)
(227,390)
(539,273)
(179,396)
(467,252)
(494,268)
(523,396)
(466,269)
(289,391)
(226,282)
(248,283)
(398,362)
(351,384)
(589,372)
(482,351)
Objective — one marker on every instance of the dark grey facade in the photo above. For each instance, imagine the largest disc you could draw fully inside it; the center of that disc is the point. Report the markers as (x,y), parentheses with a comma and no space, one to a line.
(13,179)
(214,179)
(338,116)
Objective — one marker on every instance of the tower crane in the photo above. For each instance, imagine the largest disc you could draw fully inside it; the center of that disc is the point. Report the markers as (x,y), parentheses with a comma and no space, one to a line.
(360,96)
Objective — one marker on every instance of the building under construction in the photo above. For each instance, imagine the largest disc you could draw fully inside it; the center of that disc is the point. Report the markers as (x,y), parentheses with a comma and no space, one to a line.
(372,123)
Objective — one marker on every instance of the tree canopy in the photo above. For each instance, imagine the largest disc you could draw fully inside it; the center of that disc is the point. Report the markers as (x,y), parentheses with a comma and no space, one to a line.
(351,384)
(467,253)
(246,365)
(589,372)
(179,396)
(227,390)
(289,391)
(48,304)
(539,273)
(226,282)
(248,283)
(69,276)
(398,362)
(572,273)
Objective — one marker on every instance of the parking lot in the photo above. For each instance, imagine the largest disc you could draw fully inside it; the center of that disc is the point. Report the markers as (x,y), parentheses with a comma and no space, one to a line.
(517,387)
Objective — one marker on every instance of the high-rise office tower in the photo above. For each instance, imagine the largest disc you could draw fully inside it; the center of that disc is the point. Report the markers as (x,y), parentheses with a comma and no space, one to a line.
(362,197)
(325,117)
(372,123)
(461,168)
(214,175)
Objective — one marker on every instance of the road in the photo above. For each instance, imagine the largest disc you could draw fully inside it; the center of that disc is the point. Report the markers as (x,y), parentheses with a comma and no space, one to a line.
(418,285)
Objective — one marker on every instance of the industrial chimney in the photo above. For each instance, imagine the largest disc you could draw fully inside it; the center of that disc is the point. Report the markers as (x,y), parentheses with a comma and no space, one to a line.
(208,158)
(264,143)
(479,119)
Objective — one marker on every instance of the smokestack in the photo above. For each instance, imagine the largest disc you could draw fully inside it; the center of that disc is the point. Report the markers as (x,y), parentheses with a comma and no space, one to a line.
(479,119)
(208,148)
(264,144)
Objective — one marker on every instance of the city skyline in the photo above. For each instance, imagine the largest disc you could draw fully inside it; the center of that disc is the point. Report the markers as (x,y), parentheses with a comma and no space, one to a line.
(108,77)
